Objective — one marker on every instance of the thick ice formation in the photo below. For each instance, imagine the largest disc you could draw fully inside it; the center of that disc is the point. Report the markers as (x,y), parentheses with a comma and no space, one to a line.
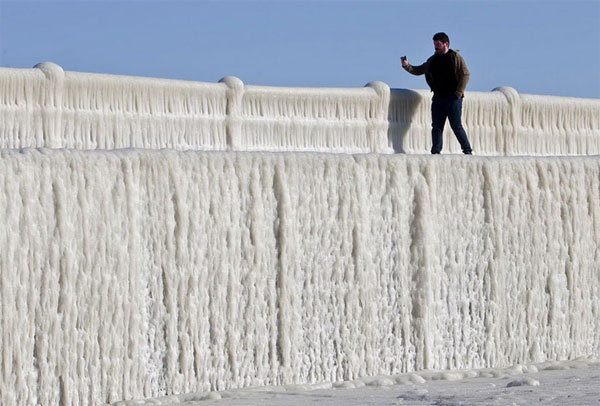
(138,273)
(142,273)
(47,107)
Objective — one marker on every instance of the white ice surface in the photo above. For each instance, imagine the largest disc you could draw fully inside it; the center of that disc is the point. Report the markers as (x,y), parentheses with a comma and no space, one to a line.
(137,274)
(550,383)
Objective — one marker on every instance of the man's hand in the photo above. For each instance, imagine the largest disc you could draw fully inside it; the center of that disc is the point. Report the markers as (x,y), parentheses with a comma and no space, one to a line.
(404,61)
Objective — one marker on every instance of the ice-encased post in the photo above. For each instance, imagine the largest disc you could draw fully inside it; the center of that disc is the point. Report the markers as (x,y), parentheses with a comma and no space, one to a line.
(51,104)
(233,123)
(511,142)
(377,127)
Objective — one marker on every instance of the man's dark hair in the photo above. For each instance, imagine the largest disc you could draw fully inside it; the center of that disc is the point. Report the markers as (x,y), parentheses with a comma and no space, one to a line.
(441,36)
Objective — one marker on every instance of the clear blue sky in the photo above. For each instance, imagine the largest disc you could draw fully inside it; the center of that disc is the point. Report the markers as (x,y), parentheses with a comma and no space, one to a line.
(538,47)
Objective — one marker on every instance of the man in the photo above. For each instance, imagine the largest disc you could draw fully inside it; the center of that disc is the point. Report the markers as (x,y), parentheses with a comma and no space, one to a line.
(447,75)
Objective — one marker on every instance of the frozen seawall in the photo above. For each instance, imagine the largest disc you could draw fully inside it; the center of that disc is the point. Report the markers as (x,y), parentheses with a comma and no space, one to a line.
(47,107)
(150,248)
(142,273)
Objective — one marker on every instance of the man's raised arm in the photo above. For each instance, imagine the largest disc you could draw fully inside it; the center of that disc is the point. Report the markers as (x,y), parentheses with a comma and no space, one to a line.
(415,70)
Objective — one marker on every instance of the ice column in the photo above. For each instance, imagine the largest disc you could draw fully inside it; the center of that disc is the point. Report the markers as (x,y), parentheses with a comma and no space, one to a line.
(377,128)
(512,126)
(235,93)
(51,104)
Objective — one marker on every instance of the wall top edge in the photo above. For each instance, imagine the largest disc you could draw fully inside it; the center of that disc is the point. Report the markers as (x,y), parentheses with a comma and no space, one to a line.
(306,90)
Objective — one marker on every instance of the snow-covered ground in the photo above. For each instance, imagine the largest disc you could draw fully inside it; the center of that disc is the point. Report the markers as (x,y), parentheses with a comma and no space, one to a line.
(553,383)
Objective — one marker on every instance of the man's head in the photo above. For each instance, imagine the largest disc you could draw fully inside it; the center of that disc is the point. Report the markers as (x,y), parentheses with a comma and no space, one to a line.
(441,43)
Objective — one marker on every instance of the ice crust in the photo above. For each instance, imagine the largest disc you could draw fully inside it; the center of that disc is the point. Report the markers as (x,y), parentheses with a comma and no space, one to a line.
(416,388)
(47,107)
(137,274)
(151,249)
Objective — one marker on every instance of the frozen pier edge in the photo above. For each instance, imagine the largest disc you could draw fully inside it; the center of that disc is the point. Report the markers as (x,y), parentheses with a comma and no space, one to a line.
(140,273)
(47,107)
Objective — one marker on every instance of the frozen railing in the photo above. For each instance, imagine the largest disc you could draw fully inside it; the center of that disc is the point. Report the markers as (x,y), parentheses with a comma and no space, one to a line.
(315,119)
(486,118)
(501,122)
(47,107)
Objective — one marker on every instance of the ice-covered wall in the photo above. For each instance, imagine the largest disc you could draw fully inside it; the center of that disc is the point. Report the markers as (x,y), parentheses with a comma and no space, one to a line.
(132,274)
(138,273)
(47,107)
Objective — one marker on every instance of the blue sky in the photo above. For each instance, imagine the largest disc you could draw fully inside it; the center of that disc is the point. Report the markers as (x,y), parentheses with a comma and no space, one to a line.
(538,47)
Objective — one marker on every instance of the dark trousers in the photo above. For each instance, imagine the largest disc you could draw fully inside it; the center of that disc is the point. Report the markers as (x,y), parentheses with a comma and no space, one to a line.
(447,107)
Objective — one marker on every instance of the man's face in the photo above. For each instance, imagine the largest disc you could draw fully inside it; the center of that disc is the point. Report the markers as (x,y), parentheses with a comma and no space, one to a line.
(440,47)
